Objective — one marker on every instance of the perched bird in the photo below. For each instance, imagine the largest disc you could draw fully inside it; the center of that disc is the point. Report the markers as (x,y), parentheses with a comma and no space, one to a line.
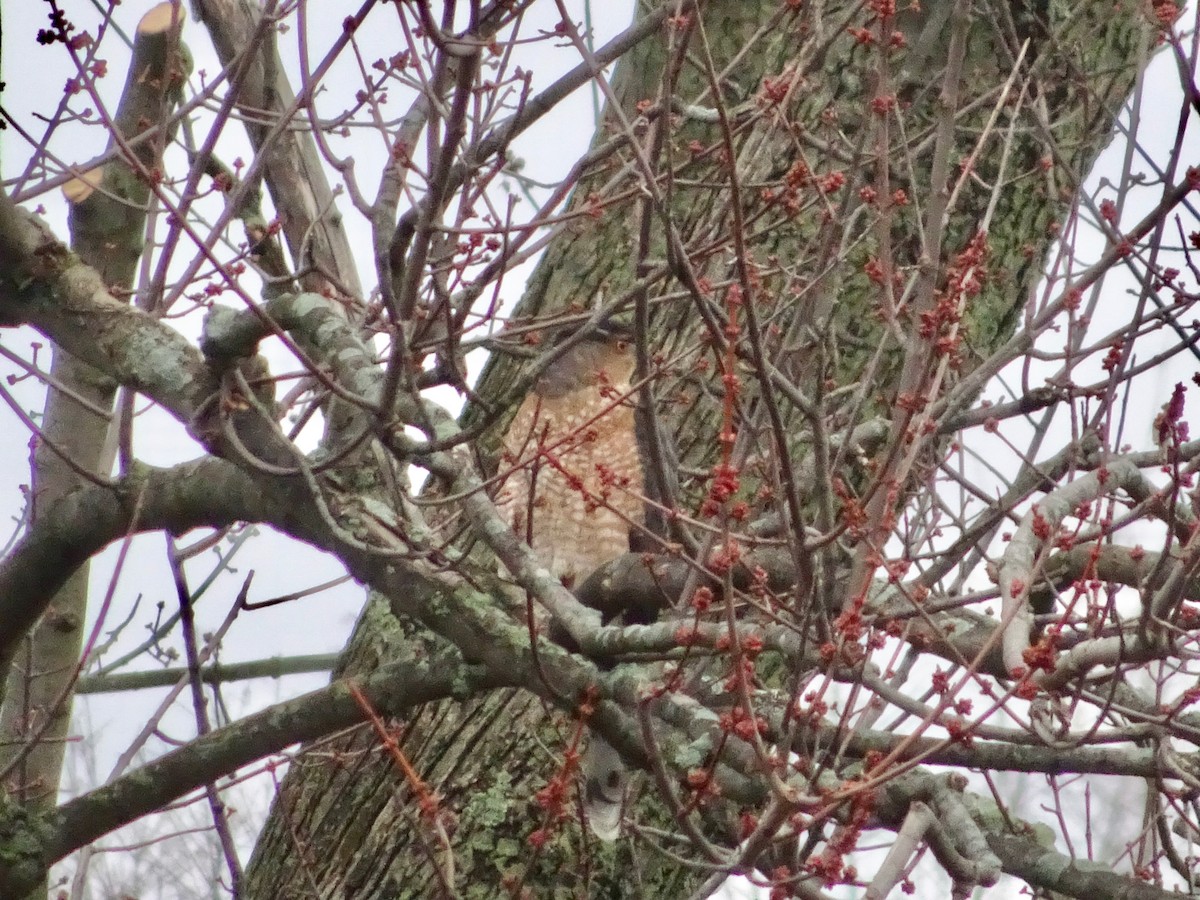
(575,495)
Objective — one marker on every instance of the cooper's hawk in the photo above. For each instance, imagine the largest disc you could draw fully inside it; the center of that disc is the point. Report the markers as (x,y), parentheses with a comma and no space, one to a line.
(576,494)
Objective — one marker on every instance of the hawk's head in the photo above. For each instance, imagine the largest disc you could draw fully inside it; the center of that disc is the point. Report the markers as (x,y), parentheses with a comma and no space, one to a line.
(606,351)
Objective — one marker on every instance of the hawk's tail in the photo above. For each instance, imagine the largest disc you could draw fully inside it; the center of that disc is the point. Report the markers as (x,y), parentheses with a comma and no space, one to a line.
(605,777)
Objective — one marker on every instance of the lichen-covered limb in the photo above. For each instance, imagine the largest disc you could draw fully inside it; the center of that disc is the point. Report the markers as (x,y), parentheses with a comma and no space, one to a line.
(318,327)
(917,822)
(207,492)
(1045,868)
(215,674)
(109,203)
(45,285)
(1025,556)
(393,689)
(292,169)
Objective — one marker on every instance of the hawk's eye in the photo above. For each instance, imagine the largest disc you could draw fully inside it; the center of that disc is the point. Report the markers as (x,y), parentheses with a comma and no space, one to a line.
(622,345)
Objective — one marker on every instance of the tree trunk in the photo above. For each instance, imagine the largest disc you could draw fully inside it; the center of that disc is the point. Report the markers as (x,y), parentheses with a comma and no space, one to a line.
(108,221)
(806,100)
